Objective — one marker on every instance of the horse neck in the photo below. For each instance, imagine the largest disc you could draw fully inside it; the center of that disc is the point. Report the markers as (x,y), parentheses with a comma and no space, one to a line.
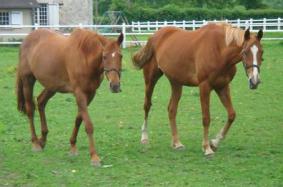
(233,54)
(103,40)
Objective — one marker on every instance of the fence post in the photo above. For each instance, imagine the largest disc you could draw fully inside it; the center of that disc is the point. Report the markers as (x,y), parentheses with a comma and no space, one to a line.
(264,24)
(184,24)
(133,27)
(124,45)
(251,24)
(238,23)
(139,27)
(246,24)
(279,22)
(156,27)
(35,26)
(148,28)
(194,25)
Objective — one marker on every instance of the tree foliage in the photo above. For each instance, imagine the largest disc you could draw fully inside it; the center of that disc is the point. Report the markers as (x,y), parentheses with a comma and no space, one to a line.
(192,9)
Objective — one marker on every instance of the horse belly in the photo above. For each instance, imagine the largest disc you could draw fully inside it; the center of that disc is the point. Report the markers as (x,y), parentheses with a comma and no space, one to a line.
(179,68)
(52,75)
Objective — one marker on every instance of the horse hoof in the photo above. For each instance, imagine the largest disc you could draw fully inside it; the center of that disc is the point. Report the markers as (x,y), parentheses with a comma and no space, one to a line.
(95,163)
(209,153)
(178,147)
(36,147)
(74,152)
(144,141)
(41,143)
(213,145)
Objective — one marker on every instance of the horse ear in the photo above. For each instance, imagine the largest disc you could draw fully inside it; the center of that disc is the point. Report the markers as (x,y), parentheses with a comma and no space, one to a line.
(120,38)
(247,34)
(259,34)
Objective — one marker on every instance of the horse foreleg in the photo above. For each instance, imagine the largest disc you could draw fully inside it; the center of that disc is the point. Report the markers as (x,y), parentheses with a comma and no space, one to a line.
(82,102)
(172,112)
(224,96)
(151,76)
(78,122)
(204,100)
(42,99)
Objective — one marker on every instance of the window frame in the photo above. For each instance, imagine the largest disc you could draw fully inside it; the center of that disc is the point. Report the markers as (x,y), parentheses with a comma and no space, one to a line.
(5,15)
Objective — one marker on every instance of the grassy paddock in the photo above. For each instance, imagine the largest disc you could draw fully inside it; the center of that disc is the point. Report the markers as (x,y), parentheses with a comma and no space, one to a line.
(251,155)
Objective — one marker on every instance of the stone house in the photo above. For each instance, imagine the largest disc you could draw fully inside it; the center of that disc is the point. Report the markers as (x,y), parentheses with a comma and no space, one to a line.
(43,12)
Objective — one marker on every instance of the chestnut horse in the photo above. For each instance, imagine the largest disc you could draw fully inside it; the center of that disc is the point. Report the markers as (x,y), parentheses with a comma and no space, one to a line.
(205,58)
(73,64)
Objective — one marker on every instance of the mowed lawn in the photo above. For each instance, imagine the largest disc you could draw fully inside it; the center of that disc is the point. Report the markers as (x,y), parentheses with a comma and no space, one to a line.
(251,155)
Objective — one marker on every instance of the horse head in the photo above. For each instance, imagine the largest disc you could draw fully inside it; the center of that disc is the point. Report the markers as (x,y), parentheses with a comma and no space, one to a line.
(112,63)
(252,57)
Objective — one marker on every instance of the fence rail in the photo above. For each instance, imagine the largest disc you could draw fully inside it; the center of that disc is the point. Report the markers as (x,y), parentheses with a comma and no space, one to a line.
(13,34)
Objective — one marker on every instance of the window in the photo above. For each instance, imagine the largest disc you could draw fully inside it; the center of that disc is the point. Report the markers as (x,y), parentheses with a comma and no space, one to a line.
(16,18)
(41,15)
(4,18)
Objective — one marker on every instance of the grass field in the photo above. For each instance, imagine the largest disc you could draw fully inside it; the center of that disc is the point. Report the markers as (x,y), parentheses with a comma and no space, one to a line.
(251,155)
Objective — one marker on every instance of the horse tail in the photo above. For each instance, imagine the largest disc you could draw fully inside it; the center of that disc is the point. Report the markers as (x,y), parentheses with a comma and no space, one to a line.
(20,93)
(144,55)
(20,88)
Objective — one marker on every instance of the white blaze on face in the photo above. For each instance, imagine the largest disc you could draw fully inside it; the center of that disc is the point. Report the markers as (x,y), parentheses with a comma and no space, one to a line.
(113,54)
(254,50)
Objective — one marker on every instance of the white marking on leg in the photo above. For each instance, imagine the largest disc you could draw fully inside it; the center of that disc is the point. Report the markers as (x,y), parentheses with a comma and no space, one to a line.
(113,54)
(144,136)
(215,142)
(254,50)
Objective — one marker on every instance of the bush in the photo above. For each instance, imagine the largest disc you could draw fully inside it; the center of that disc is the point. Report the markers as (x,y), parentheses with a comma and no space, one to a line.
(173,12)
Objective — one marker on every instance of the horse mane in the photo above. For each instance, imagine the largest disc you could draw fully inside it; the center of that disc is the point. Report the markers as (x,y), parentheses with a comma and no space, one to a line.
(86,40)
(233,34)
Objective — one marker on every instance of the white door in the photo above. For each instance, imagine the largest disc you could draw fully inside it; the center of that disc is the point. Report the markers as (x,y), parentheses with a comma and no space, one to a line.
(53,14)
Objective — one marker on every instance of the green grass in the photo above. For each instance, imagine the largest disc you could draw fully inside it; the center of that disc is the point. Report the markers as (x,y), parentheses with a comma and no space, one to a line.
(251,155)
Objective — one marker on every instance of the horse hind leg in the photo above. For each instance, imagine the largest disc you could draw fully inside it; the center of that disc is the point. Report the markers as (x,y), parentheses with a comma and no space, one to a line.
(151,75)
(28,82)
(42,100)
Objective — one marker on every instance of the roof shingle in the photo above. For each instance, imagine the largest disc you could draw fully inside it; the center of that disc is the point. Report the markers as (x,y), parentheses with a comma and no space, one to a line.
(18,4)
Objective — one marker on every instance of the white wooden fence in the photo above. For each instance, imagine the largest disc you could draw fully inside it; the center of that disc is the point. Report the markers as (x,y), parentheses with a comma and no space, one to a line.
(132,32)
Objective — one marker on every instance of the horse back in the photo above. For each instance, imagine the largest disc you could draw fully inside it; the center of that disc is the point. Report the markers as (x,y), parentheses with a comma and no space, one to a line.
(189,57)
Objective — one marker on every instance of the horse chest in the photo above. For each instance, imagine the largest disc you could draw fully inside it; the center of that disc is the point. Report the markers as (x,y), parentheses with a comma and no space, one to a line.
(222,79)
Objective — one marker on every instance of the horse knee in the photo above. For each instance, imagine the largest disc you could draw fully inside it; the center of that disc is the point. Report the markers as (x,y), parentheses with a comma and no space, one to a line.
(44,132)
(205,121)
(73,141)
(231,116)
(29,108)
(147,106)
(171,112)
(89,129)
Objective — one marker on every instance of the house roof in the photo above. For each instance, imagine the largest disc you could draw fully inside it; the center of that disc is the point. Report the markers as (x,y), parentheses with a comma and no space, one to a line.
(18,4)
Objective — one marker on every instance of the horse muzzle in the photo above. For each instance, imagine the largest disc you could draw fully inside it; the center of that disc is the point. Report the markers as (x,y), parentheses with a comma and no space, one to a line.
(115,87)
(253,83)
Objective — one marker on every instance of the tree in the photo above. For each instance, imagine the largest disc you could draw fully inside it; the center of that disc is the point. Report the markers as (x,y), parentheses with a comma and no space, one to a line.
(251,4)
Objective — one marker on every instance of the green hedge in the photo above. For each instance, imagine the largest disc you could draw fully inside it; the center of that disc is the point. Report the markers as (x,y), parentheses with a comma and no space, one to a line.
(173,12)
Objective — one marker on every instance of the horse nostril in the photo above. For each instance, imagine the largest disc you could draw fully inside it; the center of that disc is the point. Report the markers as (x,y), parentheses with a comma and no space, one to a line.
(115,87)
